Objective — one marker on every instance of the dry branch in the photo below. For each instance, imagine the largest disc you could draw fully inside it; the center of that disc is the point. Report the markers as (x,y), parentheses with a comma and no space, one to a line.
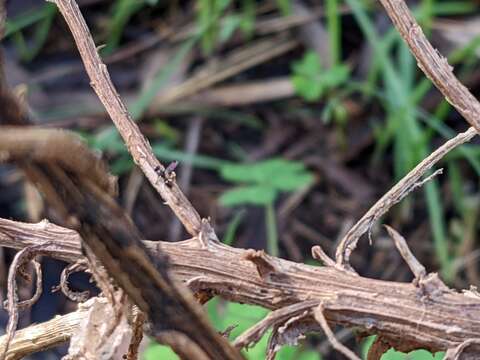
(437,69)
(394,195)
(138,146)
(44,336)
(432,63)
(404,315)
(110,236)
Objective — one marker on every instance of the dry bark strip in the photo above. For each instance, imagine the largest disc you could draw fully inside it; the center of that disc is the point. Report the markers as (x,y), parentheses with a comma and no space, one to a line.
(405,315)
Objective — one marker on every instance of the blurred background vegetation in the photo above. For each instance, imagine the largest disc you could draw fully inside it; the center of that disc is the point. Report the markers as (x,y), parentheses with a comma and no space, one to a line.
(288,120)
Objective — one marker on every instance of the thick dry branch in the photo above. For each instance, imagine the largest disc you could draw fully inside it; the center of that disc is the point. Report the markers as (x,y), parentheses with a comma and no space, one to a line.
(137,144)
(432,63)
(403,314)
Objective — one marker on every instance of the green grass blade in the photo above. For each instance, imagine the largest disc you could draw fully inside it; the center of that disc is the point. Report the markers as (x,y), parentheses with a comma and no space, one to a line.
(271,227)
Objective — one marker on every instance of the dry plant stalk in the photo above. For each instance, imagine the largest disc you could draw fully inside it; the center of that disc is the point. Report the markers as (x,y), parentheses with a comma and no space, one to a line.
(438,70)
(406,316)
(138,146)
(423,314)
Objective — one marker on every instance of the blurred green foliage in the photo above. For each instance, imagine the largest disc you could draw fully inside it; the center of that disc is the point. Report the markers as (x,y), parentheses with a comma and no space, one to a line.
(262,181)
(312,81)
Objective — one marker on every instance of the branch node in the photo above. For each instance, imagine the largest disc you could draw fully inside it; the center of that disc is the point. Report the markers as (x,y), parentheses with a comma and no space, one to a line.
(206,234)
(432,286)
(264,265)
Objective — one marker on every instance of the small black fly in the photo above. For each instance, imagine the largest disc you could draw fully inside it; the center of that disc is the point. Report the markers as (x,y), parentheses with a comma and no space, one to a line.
(168,174)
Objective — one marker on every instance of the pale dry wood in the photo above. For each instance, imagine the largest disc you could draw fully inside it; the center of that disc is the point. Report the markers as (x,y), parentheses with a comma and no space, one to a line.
(394,195)
(320,317)
(406,316)
(44,336)
(417,268)
(137,144)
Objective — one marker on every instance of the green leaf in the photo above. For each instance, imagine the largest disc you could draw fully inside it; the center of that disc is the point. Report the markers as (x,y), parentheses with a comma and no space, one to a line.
(254,195)
(307,89)
(291,182)
(335,76)
(309,65)
(414,355)
(261,172)
(311,81)
(266,178)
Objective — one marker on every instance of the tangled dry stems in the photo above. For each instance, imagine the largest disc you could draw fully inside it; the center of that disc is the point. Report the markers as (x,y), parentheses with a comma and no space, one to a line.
(424,314)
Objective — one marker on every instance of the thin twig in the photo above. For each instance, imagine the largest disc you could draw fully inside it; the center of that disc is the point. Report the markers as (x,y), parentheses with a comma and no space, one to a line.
(455,353)
(137,144)
(23,256)
(252,335)
(394,195)
(320,317)
(417,268)
(77,296)
(25,304)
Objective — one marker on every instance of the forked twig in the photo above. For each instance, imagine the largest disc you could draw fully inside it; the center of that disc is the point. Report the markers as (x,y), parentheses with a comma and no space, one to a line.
(353,301)
(252,335)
